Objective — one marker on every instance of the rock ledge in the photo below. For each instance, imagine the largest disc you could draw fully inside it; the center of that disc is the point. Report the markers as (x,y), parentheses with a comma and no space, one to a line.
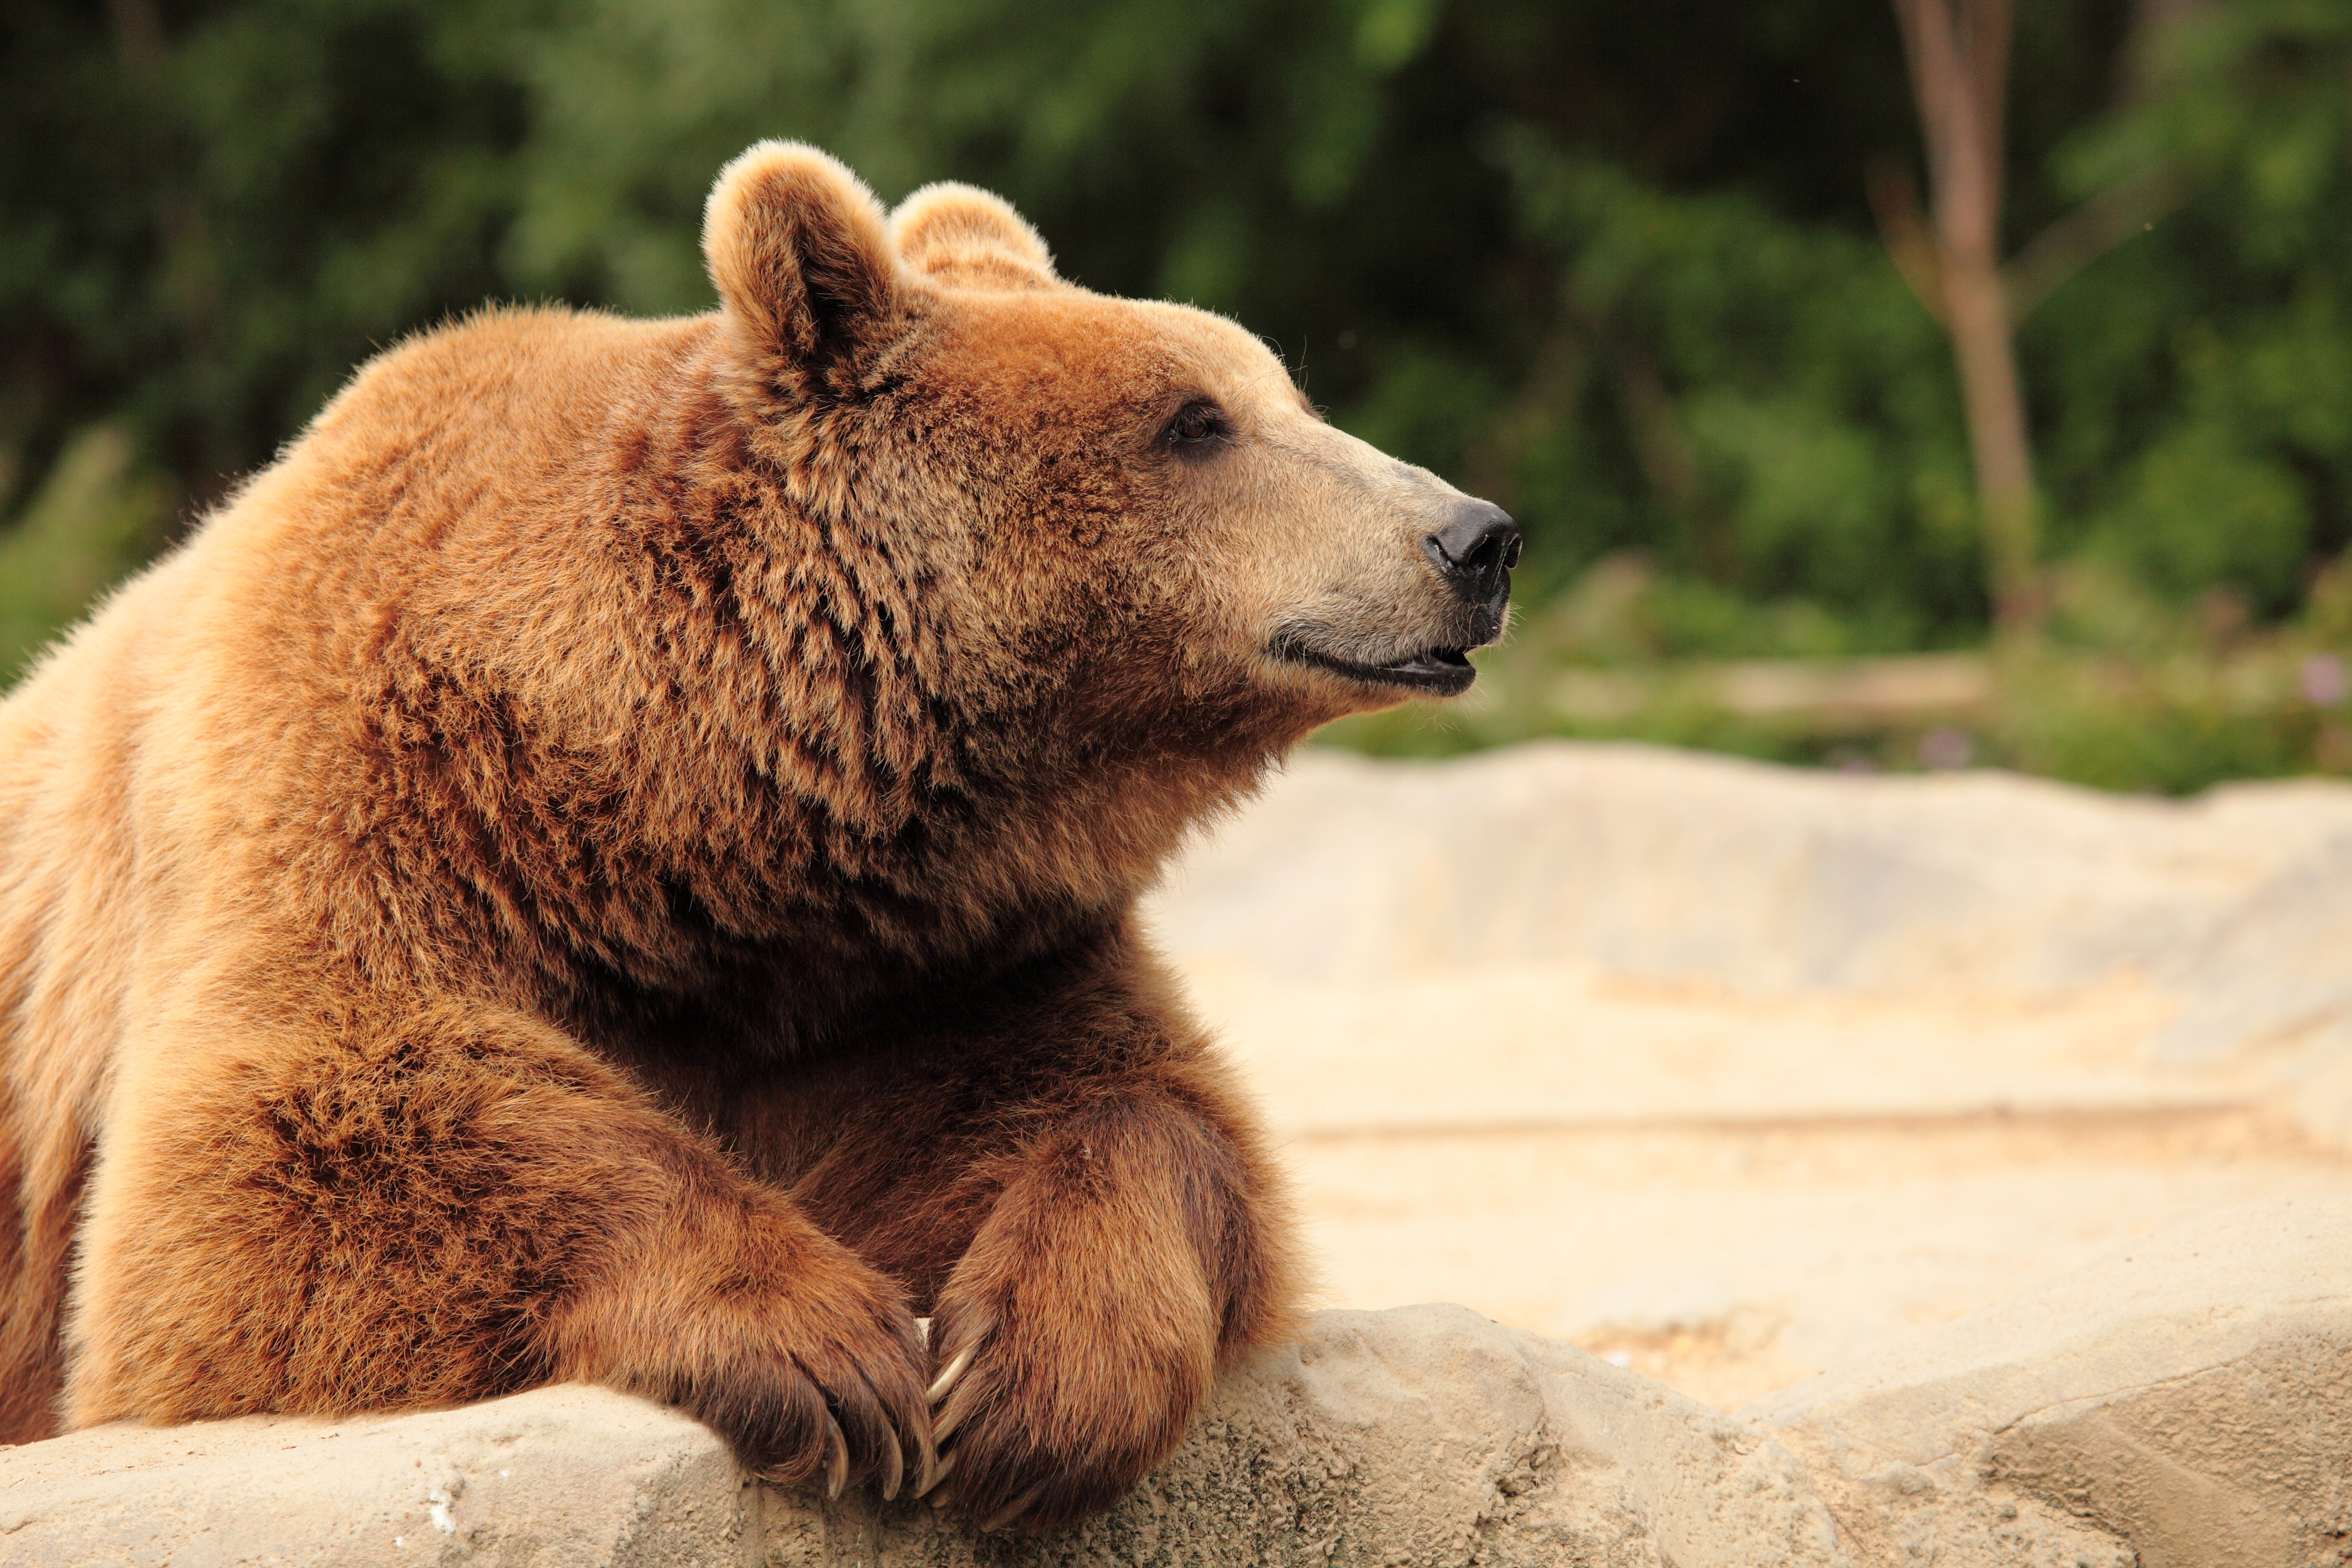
(2187,1403)
(1426,1435)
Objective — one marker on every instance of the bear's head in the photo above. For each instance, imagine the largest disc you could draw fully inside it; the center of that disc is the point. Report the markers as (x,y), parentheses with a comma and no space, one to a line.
(1122,514)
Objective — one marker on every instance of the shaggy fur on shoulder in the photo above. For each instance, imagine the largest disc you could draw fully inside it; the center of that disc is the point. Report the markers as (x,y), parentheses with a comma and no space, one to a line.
(615,859)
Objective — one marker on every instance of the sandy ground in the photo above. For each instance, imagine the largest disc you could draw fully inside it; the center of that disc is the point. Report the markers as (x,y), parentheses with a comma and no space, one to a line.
(1730,1261)
(1726,1183)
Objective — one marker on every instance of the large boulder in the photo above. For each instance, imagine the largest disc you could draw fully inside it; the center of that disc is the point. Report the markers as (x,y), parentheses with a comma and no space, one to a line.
(1668,865)
(2269,987)
(2184,1404)
(1425,1435)
(1534,913)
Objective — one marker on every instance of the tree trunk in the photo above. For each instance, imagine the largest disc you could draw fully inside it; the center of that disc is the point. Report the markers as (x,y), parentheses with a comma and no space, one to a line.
(1958,51)
(1976,311)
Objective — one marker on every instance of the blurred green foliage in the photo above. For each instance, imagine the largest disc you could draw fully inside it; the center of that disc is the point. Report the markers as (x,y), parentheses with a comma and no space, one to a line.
(88,525)
(1612,266)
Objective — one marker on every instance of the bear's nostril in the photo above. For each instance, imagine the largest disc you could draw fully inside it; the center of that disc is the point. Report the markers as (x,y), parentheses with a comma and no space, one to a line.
(1474,548)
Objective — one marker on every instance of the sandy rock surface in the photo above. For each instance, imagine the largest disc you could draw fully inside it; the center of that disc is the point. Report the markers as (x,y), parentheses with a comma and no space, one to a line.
(2188,1401)
(1674,866)
(1428,1436)
(563,1476)
(1734,1072)
(2185,1405)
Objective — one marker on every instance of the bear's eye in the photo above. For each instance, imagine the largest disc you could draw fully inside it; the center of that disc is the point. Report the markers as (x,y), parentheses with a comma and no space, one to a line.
(1195,425)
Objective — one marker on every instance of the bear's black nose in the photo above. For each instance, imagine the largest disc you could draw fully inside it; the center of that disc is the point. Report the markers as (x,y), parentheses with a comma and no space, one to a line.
(1475,548)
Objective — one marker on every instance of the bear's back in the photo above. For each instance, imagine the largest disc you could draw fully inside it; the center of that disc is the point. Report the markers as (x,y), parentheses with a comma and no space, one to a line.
(449,474)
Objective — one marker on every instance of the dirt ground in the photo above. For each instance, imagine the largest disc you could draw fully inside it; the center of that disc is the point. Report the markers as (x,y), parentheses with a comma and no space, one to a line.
(1730,1194)
(1725,1185)
(1730,1261)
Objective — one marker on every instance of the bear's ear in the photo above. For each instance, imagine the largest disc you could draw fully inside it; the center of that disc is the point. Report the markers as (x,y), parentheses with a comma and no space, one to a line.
(800,251)
(963,235)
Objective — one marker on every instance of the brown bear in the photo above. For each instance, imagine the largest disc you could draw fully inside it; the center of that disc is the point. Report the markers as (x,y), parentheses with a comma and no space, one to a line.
(614,859)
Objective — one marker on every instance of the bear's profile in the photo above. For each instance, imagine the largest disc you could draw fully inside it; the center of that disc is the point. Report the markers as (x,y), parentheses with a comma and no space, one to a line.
(615,859)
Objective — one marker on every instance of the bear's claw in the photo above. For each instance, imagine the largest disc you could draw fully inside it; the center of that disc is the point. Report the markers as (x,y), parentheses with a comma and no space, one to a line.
(894,1464)
(948,1375)
(1012,1510)
(932,1475)
(837,1464)
(953,1414)
(960,1398)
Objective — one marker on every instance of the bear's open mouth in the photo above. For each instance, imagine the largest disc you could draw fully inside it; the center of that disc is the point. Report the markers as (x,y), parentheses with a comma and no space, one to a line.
(1439,671)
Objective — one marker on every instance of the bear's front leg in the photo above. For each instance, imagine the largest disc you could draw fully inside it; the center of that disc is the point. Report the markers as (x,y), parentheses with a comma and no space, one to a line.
(1082,1196)
(1124,1262)
(452,1203)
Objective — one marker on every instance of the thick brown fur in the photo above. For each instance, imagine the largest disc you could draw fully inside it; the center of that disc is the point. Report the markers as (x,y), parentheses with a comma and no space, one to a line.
(615,859)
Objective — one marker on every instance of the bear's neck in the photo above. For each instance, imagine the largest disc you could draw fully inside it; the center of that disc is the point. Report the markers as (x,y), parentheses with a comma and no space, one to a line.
(784,939)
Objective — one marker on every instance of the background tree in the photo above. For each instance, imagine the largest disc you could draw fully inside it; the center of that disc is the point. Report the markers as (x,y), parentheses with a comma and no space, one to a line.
(1959,52)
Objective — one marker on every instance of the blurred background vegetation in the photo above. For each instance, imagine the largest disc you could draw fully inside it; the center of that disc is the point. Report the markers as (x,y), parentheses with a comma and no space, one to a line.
(1632,271)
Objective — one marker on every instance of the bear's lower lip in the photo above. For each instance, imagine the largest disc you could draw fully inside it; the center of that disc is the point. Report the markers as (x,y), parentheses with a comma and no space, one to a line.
(1439,671)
